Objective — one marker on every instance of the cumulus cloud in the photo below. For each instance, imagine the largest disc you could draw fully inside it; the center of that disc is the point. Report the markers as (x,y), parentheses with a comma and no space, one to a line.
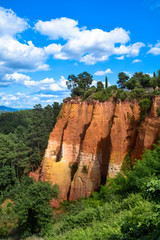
(155,50)
(136,61)
(47,84)
(120,58)
(16,55)
(88,46)
(58,28)
(17,77)
(102,73)
(10,24)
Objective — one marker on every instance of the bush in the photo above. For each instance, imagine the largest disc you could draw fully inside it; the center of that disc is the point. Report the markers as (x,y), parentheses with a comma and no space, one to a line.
(101,96)
(145,105)
(89,92)
(32,206)
(85,169)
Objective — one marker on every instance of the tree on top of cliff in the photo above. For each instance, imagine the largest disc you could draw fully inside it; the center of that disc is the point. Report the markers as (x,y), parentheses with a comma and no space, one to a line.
(78,84)
(122,80)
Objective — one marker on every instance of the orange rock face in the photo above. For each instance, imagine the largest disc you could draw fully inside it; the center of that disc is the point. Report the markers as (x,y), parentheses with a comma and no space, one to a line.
(148,131)
(93,164)
(90,141)
(123,134)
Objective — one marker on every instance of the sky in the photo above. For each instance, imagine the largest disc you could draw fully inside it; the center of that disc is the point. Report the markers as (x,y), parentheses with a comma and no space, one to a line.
(42,42)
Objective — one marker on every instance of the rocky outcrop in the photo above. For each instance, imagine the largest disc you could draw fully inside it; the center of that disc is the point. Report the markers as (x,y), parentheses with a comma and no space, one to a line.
(90,141)
(123,134)
(94,154)
(148,131)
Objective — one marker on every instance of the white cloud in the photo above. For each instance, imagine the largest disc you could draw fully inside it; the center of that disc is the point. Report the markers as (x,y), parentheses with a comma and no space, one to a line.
(10,24)
(47,95)
(101,73)
(88,46)
(136,61)
(9,97)
(18,56)
(17,77)
(155,50)
(47,84)
(58,28)
(53,49)
(120,58)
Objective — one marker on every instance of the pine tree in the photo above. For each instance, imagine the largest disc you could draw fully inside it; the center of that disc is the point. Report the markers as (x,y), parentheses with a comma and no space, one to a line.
(106,82)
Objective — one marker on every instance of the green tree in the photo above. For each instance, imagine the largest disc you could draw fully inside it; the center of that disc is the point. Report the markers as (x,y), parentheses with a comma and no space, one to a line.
(7,163)
(100,86)
(145,81)
(106,82)
(153,81)
(32,206)
(78,84)
(158,78)
(131,83)
(145,105)
(122,80)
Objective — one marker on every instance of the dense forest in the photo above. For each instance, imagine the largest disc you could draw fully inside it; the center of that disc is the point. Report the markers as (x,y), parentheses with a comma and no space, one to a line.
(127,208)
(23,140)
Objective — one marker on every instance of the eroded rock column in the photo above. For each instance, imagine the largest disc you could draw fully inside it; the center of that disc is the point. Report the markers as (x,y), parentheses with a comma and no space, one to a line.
(94,154)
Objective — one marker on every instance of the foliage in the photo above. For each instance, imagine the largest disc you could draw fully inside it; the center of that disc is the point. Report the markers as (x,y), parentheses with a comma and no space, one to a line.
(122,80)
(89,92)
(22,149)
(7,218)
(106,82)
(127,208)
(127,163)
(78,84)
(100,86)
(102,96)
(32,206)
(138,87)
(145,105)
(85,169)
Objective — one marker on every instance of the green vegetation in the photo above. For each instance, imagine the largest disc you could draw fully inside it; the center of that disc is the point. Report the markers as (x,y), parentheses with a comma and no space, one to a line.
(127,208)
(85,169)
(23,139)
(145,105)
(32,206)
(140,87)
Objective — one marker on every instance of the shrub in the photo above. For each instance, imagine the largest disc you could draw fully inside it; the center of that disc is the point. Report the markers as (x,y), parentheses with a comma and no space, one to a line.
(85,169)
(145,105)
(101,96)
(32,206)
(127,163)
(89,92)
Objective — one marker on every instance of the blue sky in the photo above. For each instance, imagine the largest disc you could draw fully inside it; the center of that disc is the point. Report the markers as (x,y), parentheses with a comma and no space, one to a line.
(42,42)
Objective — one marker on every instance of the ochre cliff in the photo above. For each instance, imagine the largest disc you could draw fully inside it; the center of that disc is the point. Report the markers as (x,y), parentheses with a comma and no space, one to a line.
(90,141)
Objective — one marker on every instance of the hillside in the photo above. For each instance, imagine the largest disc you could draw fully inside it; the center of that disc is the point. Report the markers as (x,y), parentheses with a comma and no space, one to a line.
(7,109)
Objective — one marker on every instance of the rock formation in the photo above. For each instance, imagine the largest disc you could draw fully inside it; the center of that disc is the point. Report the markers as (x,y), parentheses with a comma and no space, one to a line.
(90,141)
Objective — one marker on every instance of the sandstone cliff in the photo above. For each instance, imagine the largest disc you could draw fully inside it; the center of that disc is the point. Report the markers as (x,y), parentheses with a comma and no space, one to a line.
(90,141)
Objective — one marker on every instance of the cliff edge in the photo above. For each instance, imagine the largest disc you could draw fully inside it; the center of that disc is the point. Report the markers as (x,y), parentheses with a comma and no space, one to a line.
(90,141)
